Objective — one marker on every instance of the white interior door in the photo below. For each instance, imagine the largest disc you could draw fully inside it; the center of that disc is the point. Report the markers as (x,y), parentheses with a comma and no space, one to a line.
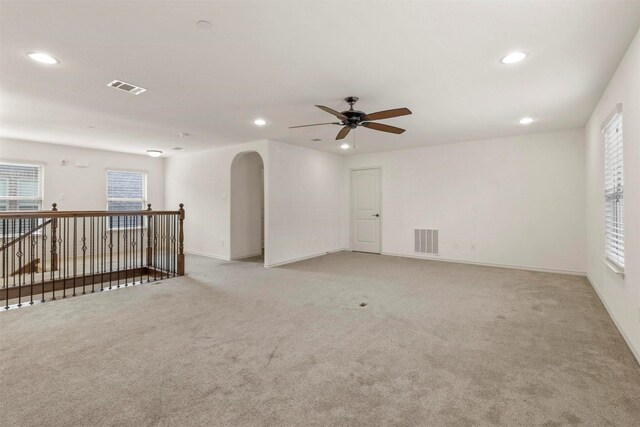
(365,210)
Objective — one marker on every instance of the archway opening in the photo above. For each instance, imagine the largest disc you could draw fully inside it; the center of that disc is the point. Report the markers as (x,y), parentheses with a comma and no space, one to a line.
(247,208)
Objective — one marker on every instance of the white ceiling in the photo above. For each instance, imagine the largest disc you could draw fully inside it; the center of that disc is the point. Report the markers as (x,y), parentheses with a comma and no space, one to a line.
(277,59)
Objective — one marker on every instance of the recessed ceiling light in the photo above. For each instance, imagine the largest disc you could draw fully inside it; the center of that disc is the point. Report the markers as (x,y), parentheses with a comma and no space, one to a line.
(260,122)
(526,120)
(177,148)
(154,153)
(345,146)
(316,139)
(43,58)
(513,58)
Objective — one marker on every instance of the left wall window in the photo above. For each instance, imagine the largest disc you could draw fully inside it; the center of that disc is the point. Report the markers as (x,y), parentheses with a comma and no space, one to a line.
(20,187)
(20,190)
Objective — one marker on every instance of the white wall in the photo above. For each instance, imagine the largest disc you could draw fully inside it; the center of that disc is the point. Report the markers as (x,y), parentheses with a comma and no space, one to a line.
(519,200)
(83,188)
(246,198)
(304,195)
(621,295)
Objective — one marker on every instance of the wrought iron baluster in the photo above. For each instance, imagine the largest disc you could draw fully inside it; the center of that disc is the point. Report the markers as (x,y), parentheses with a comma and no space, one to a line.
(44,258)
(32,262)
(5,263)
(75,253)
(141,247)
(19,254)
(118,253)
(110,250)
(84,253)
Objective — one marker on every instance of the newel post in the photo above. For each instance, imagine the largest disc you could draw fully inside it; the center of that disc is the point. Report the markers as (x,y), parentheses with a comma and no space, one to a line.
(149,251)
(181,241)
(54,239)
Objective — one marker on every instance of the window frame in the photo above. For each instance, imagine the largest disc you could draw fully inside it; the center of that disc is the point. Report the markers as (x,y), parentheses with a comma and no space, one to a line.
(142,201)
(38,201)
(613,193)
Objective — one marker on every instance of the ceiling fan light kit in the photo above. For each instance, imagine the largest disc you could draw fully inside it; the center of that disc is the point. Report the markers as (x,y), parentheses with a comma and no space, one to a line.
(351,119)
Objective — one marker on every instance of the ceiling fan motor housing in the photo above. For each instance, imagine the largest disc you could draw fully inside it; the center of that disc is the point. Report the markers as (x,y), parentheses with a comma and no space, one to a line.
(354,118)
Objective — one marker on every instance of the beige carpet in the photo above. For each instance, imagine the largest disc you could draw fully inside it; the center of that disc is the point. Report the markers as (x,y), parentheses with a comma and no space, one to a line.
(237,344)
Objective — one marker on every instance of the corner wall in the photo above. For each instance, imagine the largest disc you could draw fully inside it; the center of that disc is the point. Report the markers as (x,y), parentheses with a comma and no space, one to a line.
(83,188)
(620,294)
(514,202)
(304,196)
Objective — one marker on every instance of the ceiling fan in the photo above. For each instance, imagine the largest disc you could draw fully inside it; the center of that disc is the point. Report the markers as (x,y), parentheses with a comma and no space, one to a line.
(351,118)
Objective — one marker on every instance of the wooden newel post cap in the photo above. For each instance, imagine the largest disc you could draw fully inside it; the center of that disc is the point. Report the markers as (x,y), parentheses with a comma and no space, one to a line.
(149,207)
(54,206)
(181,211)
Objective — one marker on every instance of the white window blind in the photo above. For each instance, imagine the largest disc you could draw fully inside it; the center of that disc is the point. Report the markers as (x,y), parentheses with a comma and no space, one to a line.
(126,191)
(20,187)
(614,189)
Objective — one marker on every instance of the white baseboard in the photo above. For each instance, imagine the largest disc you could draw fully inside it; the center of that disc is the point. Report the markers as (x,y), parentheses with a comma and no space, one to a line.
(239,258)
(278,264)
(484,264)
(208,255)
(634,351)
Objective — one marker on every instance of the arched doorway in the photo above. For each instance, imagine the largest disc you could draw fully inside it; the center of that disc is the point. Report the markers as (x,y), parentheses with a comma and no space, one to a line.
(247,207)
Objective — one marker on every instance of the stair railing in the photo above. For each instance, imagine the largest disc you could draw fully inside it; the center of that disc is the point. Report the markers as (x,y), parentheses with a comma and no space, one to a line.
(53,254)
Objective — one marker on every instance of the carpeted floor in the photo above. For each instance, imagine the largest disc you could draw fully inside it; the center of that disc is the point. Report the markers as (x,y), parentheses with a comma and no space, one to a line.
(236,344)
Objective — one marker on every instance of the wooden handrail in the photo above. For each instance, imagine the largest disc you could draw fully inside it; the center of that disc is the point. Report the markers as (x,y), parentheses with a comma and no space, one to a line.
(80,214)
(27,234)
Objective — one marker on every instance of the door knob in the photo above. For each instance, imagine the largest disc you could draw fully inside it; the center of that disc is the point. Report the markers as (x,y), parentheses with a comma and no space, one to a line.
(377,215)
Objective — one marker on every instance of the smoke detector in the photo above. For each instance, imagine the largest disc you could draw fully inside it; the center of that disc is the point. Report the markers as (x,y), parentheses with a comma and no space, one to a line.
(127,87)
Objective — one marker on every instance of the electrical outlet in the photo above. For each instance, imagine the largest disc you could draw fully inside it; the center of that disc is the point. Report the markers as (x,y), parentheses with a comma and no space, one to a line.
(473,246)
(221,242)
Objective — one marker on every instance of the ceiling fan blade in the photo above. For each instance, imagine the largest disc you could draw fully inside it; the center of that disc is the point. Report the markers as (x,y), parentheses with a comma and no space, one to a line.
(387,114)
(343,132)
(334,112)
(383,127)
(316,124)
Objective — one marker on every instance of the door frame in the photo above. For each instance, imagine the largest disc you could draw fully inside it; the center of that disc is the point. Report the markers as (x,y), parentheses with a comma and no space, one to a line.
(359,168)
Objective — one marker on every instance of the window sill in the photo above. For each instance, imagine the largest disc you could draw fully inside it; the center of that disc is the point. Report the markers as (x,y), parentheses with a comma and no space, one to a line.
(619,271)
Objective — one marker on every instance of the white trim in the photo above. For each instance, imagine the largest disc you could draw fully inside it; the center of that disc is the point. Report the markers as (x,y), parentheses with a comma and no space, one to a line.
(635,352)
(485,264)
(208,255)
(240,258)
(278,264)
(613,266)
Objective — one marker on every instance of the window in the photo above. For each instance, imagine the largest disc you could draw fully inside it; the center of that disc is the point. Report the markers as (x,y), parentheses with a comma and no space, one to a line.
(126,191)
(20,190)
(20,187)
(614,189)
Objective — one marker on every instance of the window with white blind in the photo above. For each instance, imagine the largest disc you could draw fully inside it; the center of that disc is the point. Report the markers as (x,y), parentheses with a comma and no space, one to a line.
(614,188)
(126,191)
(20,187)
(20,190)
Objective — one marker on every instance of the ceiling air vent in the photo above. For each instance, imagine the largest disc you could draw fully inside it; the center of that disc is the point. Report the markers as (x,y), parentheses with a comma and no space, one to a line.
(127,87)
